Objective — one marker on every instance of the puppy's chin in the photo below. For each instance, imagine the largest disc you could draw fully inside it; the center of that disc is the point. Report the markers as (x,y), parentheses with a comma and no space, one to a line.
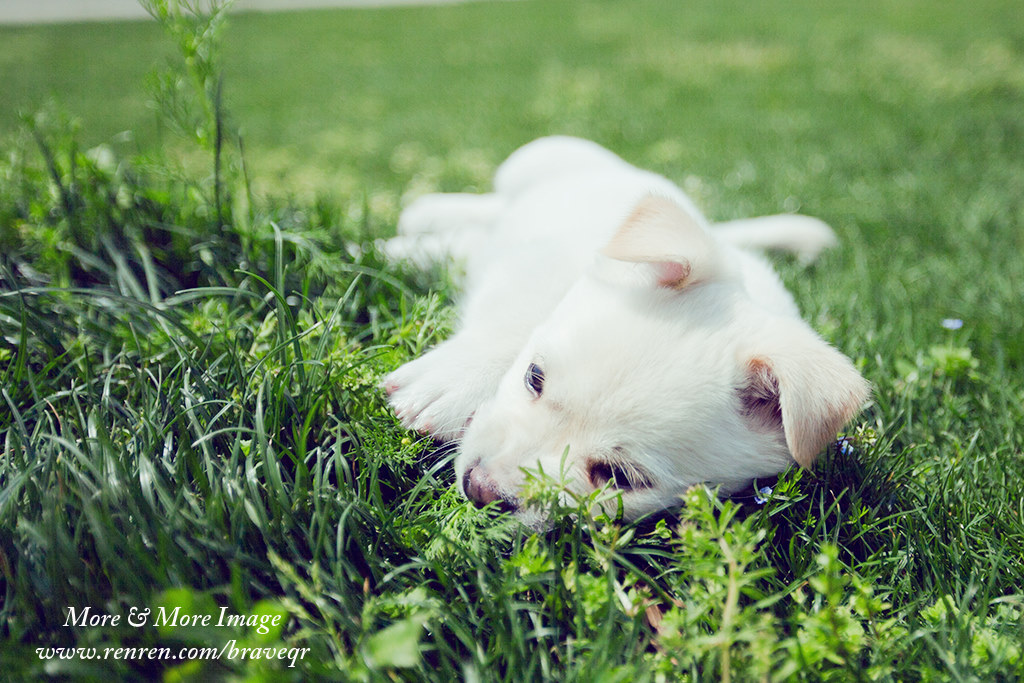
(534,520)
(540,520)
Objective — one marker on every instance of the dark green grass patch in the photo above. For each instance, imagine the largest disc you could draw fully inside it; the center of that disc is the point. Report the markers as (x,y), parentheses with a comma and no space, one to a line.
(190,352)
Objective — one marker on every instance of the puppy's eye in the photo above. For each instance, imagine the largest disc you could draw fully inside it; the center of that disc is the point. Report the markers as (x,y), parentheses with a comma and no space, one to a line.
(534,380)
(621,477)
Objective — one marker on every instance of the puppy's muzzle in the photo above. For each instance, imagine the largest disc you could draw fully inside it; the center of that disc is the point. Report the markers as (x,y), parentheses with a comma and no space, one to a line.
(483,491)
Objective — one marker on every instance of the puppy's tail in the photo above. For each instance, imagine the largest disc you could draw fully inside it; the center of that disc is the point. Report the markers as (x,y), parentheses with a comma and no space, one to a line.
(802,235)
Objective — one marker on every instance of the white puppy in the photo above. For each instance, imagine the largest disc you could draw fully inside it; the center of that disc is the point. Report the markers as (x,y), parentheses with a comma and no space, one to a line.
(608,333)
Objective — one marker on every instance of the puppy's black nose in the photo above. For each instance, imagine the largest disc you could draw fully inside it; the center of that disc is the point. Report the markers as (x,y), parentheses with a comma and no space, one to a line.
(482,490)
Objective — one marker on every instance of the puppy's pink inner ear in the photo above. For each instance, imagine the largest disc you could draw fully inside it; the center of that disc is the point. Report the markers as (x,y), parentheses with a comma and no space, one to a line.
(664,236)
(672,274)
(760,397)
(802,389)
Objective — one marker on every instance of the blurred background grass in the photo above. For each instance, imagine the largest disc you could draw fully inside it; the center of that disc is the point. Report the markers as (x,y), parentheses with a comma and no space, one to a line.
(341,101)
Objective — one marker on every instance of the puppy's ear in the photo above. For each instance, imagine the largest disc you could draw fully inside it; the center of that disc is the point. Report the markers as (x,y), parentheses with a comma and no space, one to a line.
(663,235)
(801,386)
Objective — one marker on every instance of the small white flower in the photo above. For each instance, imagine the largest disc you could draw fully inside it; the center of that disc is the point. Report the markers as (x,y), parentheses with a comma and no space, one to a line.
(952,323)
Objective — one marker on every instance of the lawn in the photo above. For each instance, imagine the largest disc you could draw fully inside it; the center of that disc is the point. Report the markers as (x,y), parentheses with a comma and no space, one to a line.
(193,323)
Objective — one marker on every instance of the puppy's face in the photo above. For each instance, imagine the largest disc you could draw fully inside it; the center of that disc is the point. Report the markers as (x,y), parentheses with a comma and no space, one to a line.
(656,372)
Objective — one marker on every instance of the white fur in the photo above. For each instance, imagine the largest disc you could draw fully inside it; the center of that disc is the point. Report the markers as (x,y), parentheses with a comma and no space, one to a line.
(666,350)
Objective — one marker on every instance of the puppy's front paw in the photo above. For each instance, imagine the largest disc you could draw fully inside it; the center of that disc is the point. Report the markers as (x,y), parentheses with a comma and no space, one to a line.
(427,214)
(449,212)
(438,393)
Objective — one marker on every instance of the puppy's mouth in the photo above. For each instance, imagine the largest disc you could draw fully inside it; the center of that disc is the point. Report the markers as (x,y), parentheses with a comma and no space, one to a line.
(483,491)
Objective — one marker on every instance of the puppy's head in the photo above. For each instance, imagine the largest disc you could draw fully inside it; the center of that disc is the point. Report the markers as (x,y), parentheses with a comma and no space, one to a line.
(658,371)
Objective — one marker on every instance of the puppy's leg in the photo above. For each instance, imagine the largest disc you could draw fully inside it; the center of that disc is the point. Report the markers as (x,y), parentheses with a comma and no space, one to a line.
(450,212)
(438,393)
(440,226)
(804,236)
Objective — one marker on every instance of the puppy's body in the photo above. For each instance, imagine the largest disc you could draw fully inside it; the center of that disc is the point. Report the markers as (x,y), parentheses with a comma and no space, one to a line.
(604,315)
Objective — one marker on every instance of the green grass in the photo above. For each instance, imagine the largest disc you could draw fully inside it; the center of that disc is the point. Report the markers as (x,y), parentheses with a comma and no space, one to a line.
(190,345)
